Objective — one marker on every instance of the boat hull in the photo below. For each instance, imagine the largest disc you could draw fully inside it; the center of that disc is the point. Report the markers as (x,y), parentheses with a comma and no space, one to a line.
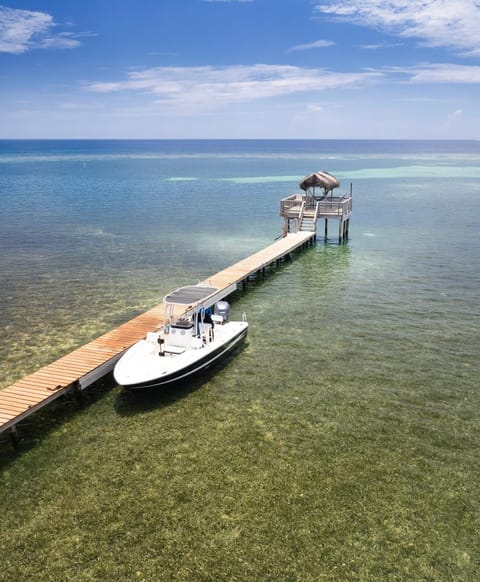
(186,369)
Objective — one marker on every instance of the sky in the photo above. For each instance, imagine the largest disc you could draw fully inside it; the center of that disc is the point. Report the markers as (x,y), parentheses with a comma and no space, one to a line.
(232,69)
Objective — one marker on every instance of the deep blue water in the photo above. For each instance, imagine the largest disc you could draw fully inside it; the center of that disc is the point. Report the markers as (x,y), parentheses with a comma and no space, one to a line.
(235,147)
(93,232)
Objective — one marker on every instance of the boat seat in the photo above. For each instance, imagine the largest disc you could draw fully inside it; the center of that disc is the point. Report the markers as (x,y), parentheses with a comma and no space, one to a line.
(173,350)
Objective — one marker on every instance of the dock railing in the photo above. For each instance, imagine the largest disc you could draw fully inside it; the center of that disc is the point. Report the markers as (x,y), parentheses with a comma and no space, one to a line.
(290,207)
(335,206)
(329,207)
(301,212)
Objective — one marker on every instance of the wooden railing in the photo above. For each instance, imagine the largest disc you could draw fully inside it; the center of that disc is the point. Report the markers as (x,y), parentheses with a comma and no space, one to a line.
(335,206)
(293,206)
(293,202)
(301,212)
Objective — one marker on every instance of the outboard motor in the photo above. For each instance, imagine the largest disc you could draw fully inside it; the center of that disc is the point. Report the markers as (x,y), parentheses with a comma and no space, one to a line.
(222,309)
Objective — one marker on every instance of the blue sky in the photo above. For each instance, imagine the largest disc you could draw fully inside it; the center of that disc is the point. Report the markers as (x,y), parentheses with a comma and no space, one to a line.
(337,69)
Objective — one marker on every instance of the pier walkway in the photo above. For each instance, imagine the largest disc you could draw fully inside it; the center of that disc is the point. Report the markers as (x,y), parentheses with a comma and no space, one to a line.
(85,365)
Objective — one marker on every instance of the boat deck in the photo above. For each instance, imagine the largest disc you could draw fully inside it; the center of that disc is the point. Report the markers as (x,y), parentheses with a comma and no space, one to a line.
(85,365)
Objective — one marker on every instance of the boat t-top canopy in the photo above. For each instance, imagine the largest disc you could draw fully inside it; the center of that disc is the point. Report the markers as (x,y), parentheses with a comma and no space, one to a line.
(320,180)
(189,295)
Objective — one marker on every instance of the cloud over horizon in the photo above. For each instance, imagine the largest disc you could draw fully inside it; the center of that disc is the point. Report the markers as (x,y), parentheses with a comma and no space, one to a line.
(210,86)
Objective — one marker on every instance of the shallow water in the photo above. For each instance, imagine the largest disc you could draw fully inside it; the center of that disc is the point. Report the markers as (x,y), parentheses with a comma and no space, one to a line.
(356,352)
(94,232)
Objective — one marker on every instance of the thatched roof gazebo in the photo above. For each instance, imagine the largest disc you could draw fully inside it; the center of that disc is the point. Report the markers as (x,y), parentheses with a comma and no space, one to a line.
(322,180)
(301,212)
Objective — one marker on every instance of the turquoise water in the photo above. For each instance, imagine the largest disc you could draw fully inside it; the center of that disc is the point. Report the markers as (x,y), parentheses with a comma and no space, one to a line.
(94,232)
(356,352)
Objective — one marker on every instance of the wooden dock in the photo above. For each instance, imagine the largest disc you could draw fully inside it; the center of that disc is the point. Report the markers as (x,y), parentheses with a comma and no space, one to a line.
(85,365)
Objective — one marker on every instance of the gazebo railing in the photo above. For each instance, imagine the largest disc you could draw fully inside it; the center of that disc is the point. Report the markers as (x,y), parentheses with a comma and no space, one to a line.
(293,206)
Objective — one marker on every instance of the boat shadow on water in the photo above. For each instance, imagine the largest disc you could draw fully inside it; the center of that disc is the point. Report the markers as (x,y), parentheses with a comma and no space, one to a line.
(131,402)
(126,403)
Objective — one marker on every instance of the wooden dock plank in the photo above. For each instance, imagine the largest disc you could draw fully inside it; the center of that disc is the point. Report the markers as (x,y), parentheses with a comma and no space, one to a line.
(35,390)
(24,389)
(39,386)
(14,409)
(15,396)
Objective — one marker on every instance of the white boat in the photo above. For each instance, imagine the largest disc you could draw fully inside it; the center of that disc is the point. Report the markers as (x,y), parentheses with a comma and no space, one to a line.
(182,346)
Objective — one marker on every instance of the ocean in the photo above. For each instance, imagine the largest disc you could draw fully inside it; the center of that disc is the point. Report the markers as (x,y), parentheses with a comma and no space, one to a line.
(374,341)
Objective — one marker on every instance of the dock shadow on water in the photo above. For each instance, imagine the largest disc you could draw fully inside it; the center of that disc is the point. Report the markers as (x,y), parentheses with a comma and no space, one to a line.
(33,429)
(131,402)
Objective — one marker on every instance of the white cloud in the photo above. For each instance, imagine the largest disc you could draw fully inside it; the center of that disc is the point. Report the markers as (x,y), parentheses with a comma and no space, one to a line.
(454,119)
(195,89)
(311,45)
(23,30)
(379,46)
(437,23)
(212,86)
(442,73)
(62,40)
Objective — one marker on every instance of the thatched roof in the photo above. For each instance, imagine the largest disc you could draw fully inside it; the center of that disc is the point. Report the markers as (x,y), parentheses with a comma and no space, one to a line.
(320,180)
